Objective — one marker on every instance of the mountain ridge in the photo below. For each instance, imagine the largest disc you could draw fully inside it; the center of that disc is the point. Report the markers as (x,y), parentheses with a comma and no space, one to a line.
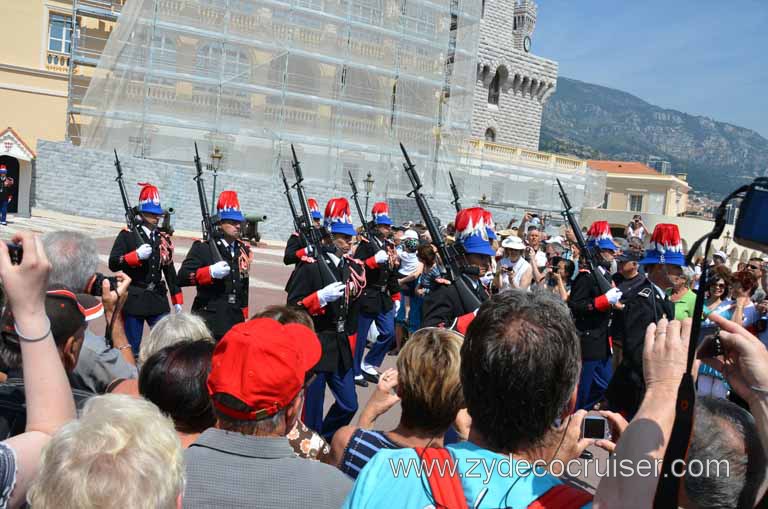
(597,122)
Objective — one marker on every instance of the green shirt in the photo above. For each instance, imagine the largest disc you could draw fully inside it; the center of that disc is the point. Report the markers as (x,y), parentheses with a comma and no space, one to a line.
(684,307)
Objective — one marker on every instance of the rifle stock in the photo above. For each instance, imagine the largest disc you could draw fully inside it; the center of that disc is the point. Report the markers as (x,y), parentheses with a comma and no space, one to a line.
(588,254)
(448,254)
(207,224)
(130,212)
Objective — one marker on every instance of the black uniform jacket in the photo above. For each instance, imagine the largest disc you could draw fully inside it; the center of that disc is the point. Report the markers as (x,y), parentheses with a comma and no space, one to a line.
(592,315)
(381,281)
(338,346)
(147,295)
(443,306)
(643,305)
(294,249)
(222,303)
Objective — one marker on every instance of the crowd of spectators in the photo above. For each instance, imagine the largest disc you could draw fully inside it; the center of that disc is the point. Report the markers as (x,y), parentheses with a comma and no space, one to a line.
(194,423)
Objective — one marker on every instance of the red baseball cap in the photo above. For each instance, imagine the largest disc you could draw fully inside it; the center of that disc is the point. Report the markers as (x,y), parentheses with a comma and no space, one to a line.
(262,364)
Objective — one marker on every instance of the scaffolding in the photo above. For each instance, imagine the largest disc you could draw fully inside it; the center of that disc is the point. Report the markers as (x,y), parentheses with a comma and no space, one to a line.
(343,80)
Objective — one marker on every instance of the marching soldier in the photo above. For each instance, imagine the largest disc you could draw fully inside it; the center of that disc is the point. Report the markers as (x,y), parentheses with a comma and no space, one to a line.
(642,304)
(6,183)
(443,307)
(295,248)
(222,286)
(146,263)
(591,310)
(334,310)
(378,300)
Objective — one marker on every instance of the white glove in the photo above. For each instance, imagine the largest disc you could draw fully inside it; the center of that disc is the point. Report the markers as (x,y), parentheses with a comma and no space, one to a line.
(397,306)
(177,308)
(381,256)
(487,279)
(309,250)
(613,295)
(144,251)
(219,270)
(330,293)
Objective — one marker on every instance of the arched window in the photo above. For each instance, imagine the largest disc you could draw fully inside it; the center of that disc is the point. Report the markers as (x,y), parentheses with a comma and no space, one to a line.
(490,135)
(493,90)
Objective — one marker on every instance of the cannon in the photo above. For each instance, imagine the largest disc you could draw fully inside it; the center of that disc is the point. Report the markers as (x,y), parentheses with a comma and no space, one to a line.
(250,230)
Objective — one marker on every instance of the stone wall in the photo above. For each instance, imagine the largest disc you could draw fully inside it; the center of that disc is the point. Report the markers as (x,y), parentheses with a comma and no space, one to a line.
(81,181)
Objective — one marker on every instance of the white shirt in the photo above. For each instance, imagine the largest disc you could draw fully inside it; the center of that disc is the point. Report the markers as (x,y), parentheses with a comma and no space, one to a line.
(639,232)
(541,258)
(520,268)
(409,262)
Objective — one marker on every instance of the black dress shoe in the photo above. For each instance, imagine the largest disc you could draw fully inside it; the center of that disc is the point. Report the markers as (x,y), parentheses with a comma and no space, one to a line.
(361,382)
(371,378)
(587,455)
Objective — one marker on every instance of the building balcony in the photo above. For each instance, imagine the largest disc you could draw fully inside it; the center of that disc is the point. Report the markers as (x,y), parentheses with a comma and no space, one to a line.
(513,155)
(57,62)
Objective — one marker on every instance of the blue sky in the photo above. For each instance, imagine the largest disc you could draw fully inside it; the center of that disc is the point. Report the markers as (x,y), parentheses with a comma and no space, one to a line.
(701,57)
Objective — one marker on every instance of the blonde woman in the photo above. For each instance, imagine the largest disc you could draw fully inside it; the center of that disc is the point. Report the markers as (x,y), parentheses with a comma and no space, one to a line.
(428,387)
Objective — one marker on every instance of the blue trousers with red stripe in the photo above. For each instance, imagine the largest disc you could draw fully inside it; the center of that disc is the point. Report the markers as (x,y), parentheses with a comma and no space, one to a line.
(385,323)
(342,411)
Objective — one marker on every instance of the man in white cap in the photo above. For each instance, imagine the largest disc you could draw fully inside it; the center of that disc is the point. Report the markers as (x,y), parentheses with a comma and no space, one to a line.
(719,258)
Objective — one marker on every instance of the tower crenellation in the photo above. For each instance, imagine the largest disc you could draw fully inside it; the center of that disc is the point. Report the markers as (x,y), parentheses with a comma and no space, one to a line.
(512,83)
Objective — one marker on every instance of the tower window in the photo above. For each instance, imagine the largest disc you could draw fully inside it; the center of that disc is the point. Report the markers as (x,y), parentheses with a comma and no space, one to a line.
(490,135)
(493,90)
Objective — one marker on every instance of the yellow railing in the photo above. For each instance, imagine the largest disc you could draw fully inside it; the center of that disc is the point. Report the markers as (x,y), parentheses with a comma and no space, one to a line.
(57,62)
(514,155)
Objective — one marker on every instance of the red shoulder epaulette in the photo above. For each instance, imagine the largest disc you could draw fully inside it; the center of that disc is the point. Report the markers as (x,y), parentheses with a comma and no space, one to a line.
(295,234)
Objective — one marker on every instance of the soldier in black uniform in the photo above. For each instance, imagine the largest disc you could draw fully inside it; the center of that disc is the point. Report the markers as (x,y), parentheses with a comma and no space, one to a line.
(377,304)
(334,310)
(146,261)
(641,305)
(6,183)
(442,306)
(222,286)
(591,310)
(296,248)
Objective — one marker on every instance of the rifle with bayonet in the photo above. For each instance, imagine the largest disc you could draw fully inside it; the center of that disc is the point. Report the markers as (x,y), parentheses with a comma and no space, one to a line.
(591,256)
(366,224)
(130,212)
(315,238)
(207,224)
(448,254)
(455,193)
(292,206)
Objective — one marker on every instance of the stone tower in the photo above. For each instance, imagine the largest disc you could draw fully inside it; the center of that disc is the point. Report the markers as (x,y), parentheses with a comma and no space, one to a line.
(512,83)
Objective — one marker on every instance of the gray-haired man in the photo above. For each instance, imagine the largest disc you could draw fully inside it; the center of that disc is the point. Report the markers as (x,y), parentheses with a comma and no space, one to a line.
(74,260)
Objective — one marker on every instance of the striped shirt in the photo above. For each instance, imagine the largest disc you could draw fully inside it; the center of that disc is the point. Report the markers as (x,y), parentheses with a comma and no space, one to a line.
(362,446)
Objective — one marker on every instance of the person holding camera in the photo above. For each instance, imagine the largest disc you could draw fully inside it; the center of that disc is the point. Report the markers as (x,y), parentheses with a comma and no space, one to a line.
(513,271)
(636,228)
(222,286)
(146,263)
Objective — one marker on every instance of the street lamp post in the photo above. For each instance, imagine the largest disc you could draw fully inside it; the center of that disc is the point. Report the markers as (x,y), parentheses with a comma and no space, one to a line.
(368,181)
(727,238)
(213,166)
